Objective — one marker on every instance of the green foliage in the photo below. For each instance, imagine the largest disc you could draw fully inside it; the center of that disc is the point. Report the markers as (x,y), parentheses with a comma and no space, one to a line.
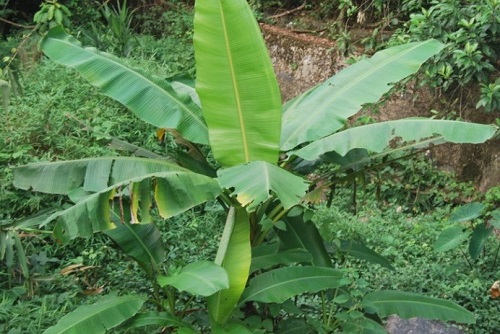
(119,23)
(471,31)
(478,233)
(240,98)
(52,14)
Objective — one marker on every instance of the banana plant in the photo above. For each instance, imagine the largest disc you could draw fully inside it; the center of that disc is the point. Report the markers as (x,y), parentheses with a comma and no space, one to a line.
(235,110)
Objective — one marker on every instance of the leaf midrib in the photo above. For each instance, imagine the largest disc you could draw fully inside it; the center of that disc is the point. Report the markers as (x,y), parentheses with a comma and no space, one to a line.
(110,60)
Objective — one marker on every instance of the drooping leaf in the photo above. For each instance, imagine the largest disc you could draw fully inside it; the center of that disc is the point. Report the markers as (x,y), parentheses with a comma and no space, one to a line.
(202,278)
(235,256)
(152,99)
(142,242)
(408,305)
(360,251)
(236,83)
(305,235)
(324,109)
(273,257)
(278,285)
(466,212)
(257,181)
(176,189)
(377,137)
(478,239)
(450,238)
(107,313)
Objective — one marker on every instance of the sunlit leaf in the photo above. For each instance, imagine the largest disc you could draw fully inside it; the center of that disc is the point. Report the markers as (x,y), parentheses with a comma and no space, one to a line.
(236,83)
(235,255)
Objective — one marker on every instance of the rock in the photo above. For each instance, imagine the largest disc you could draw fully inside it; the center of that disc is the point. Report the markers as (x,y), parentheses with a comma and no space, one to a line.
(397,325)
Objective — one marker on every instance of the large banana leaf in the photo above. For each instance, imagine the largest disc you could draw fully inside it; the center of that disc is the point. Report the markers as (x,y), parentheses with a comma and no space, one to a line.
(258,181)
(152,99)
(408,305)
(376,137)
(236,83)
(234,255)
(175,189)
(278,285)
(324,109)
(107,313)
(142,242)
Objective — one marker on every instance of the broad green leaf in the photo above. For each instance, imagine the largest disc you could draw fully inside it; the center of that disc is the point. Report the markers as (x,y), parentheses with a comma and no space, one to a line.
(199,278)
(305,235)
(278,285)
(377,137)
(362,252)
(236,83)
(478,239)
(107,313)
(264,260)
(450,238)
(257,181)
(175,188)
(324,109)
(152,99)
(466,212)
(142,242)
(93,174)
(158,319)
(236,258)
(408,305)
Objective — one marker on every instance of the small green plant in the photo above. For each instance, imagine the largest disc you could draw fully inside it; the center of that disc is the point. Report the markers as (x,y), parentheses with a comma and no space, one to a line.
(51,14)
(471,32)
(119,22)
(468,227)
